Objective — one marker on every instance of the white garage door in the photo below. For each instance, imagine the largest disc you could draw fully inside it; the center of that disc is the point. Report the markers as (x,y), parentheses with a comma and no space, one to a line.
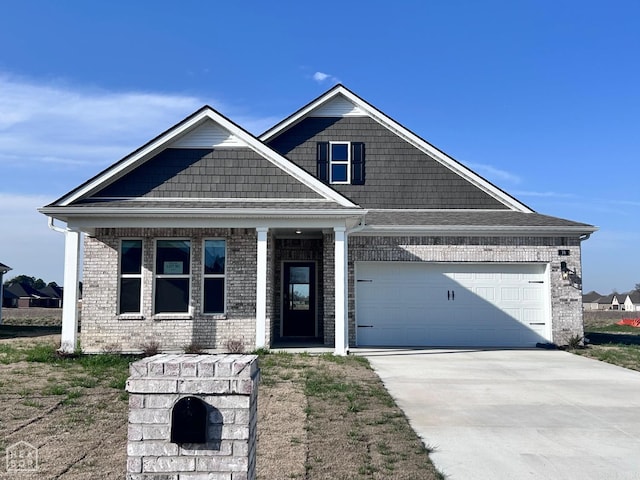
(443,304)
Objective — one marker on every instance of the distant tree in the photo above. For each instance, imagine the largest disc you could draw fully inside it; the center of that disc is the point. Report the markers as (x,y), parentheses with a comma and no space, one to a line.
(52,284)
(637,287)
(34,282)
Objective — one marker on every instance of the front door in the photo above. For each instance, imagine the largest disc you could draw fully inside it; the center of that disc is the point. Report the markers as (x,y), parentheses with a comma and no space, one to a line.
(299,299)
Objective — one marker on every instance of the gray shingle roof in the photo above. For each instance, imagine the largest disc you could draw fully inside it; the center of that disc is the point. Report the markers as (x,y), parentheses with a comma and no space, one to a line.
(469,218)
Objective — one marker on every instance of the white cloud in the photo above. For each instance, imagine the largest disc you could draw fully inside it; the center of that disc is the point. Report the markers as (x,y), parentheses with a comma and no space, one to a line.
(529,193)
(320,77)
(494,174)
(54,136)
(56,124)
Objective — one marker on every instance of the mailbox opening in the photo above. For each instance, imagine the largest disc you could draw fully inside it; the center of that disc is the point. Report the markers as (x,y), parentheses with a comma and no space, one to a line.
(189,421)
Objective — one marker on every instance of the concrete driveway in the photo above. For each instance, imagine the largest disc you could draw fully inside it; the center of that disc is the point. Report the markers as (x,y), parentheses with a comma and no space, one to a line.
(518,414)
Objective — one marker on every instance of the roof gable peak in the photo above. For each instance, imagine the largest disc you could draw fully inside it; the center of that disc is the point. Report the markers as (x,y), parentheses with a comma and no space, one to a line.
(204,128)
(339,95)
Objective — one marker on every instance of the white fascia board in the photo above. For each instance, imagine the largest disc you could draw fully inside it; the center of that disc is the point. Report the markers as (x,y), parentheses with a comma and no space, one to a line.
(408,136)
(88,224)
(139,212)
(475,230)
(84,220)
(248,139)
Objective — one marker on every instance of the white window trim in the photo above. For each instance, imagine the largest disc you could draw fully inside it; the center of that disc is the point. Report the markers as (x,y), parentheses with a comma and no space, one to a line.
(340,162)
(222,314)
(172,315)
(138,314)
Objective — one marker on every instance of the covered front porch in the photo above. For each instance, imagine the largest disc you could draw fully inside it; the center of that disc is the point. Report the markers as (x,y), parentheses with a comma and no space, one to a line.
(302,288)
(300,277)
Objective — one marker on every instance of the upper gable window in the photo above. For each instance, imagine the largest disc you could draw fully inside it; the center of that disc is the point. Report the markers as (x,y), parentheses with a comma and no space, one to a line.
(341,162)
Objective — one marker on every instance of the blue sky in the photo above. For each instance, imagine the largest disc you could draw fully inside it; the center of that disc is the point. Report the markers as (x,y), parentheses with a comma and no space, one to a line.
(540,97)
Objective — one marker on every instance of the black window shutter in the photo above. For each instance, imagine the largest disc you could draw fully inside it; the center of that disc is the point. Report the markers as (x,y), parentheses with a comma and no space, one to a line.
(357,163)
(323,161)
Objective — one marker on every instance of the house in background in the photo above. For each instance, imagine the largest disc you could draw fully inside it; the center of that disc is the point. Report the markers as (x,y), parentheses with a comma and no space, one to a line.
(338,226)
(632,301)
(22,295)
(590,300)
(629,302)
(52,296)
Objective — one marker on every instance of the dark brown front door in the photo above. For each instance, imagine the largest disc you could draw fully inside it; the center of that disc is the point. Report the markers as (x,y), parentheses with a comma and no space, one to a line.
(299,299)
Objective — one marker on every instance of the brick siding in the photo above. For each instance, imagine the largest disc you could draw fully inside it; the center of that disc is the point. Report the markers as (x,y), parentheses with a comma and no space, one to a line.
(103,328)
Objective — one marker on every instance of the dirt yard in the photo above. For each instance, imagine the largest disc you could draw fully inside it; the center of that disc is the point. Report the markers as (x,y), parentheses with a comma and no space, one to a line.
(320,417)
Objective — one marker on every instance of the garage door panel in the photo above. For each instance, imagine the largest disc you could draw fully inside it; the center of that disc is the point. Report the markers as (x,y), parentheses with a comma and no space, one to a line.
(509,294)
(530,294)
(451,304)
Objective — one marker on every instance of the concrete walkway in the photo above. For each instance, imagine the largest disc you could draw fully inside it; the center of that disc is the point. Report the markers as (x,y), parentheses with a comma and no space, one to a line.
(518,414)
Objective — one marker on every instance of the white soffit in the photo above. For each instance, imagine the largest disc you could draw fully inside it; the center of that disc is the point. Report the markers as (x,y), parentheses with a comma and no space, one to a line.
(207,135)
(338,106)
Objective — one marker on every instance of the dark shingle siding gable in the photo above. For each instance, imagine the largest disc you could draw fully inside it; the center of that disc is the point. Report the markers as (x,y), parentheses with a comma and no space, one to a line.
(208,173)
(398,174)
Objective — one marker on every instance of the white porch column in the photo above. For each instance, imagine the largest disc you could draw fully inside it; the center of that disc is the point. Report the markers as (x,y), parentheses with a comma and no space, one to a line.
(71,291)
(2,272)
(261,288)
(341,291)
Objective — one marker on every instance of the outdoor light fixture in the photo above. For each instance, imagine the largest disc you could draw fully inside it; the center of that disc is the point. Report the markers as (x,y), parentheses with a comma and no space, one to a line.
(566,271)
(298,232)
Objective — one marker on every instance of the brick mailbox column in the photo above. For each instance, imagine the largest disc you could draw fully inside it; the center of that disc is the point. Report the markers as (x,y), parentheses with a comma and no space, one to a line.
(171,396)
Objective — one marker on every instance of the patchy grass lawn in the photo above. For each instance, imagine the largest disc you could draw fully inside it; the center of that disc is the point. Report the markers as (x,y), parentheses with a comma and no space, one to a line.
(320,417)
(611,343)
(74,410)
(352,427)
(627,356)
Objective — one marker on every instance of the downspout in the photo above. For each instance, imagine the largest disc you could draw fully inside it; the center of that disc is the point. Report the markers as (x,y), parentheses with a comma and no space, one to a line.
(54,228)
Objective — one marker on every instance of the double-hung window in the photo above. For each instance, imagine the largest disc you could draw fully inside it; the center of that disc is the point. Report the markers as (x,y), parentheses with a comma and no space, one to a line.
(130,276)
(214,268)
(172,276)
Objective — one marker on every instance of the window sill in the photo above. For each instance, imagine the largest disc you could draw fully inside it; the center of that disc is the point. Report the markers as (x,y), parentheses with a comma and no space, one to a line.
(172,316)
(216,316)
(130,316)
